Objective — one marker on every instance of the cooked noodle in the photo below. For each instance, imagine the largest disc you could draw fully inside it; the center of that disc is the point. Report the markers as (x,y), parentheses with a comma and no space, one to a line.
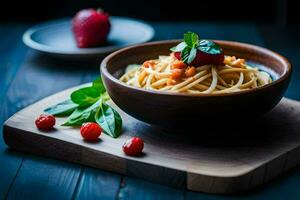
(234,75)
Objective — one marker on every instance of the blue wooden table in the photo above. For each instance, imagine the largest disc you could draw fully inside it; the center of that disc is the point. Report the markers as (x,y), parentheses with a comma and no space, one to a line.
(26,76)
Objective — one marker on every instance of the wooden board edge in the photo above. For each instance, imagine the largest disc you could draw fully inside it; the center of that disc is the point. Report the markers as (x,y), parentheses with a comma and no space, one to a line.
(22,141)
(28,142)
(157,174)
(248,181)
(181,179)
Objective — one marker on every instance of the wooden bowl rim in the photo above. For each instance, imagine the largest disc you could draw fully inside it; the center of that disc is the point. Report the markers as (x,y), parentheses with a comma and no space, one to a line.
(286,74)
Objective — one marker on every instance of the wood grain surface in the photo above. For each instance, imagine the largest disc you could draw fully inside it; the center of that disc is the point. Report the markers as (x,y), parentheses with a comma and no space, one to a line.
(214,159)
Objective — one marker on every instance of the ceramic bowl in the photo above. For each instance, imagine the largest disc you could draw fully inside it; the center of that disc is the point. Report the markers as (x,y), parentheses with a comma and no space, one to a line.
(174,109)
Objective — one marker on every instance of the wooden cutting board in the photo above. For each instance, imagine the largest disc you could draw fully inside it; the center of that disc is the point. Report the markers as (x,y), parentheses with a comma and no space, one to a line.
(215,158)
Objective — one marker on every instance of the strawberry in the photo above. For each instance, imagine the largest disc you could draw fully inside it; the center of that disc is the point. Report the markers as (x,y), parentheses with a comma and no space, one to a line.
(196,52)
(203,58)
(90,27)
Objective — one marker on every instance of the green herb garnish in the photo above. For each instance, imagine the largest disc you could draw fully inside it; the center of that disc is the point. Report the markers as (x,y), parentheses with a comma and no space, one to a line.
(88,104)
(82,115)
(191,44)
(109,119)
(62,109)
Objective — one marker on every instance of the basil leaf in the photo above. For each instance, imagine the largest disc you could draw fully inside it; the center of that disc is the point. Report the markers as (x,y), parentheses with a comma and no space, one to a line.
(205,43)
(86,96)
(191,39)
(98,84)
(185,54)
(192,55)
(109,120)
(82,115)
(179,47)
(209,47)
(62,109)
(88,105)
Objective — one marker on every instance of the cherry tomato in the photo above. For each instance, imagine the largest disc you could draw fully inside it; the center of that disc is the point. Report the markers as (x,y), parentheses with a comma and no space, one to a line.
(133,146)
(45,122)
(177,74)
(90,131)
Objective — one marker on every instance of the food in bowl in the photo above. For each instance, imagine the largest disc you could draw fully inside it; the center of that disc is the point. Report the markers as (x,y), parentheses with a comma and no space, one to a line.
(176,110)
(196,66)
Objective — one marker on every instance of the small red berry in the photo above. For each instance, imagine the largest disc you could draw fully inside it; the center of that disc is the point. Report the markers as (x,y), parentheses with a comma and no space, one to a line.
(133,146)
(45,122)
(90,131)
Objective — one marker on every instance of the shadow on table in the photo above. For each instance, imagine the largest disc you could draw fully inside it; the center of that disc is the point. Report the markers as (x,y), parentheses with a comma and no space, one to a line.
(278,126)
(62,63)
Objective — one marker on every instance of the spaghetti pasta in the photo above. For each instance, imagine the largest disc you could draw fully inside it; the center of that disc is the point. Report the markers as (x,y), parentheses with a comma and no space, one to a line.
(168,74)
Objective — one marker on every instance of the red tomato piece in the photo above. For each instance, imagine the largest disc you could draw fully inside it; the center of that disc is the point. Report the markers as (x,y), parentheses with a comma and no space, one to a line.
(45,122)
(133,146)
(90,131)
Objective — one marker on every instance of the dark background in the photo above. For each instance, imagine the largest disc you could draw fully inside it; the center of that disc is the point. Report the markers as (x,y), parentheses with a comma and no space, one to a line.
(281,12)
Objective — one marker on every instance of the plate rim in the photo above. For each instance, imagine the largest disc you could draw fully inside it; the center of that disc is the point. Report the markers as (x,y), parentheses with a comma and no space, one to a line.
(33,44)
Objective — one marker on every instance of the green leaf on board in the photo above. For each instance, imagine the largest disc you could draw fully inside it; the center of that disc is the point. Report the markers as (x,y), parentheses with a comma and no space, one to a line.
(64,108)
(85,97)
(82,115)
(99,85)
(109,119)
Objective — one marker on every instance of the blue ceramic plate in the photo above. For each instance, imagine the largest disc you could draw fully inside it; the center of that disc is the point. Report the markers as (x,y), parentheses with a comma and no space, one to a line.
(56,38)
